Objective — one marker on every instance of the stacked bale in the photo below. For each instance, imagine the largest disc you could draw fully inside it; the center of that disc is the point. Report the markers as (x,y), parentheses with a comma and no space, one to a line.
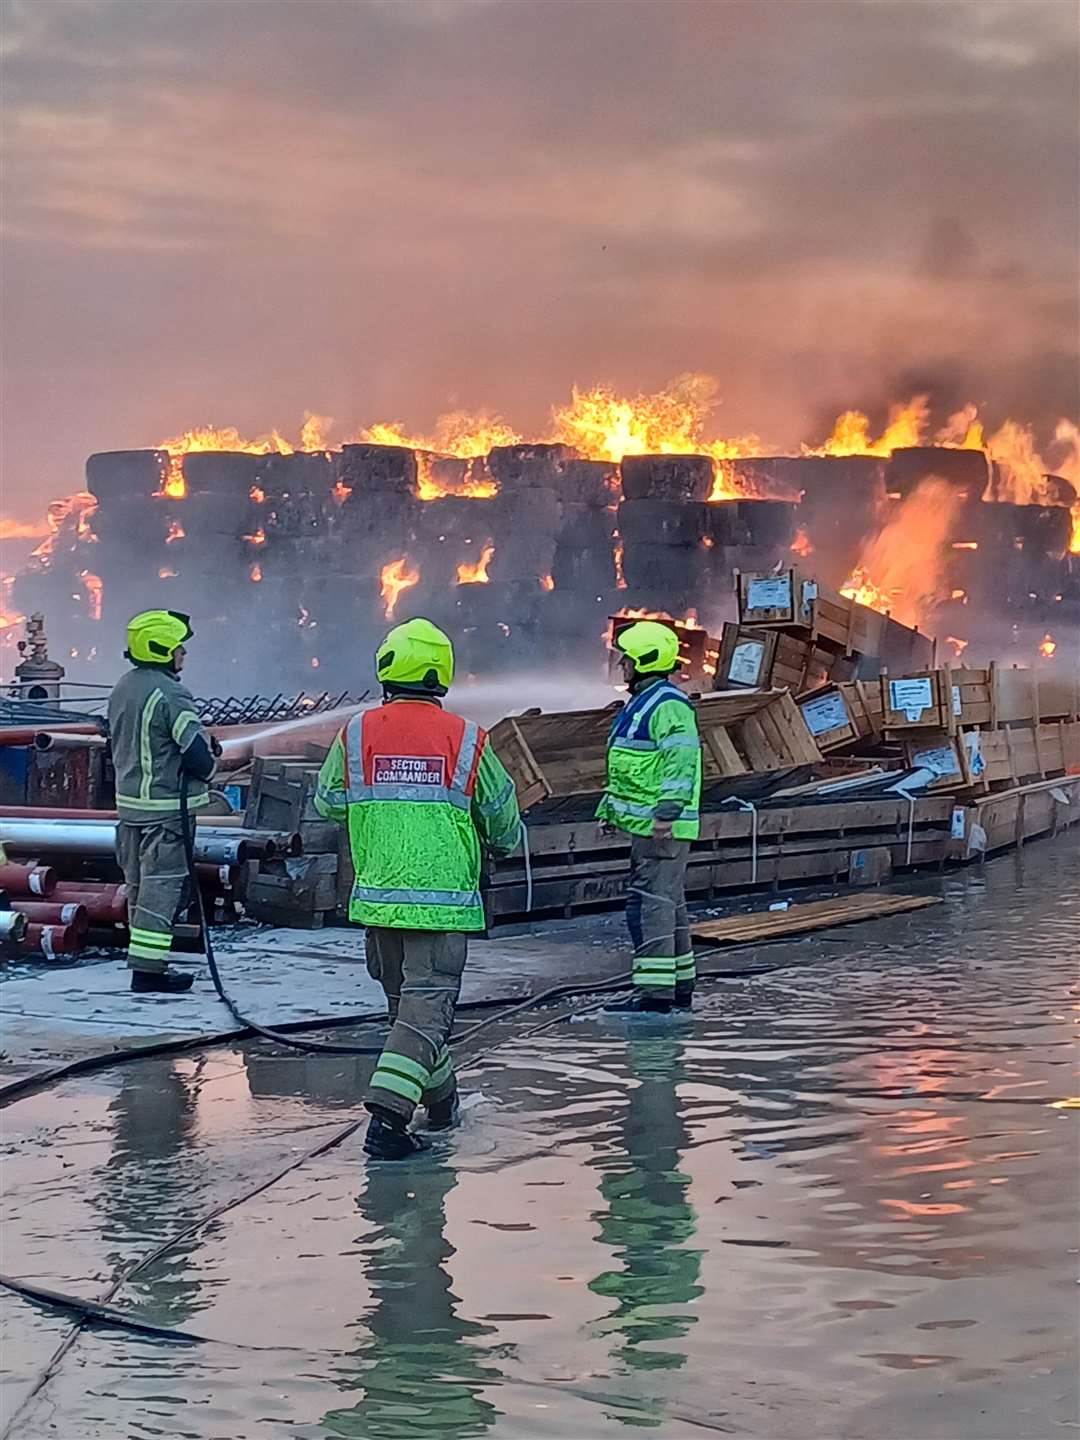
(584,560)
(843,503)
(501,619)
(967,471)
(131,524)
(369,523)
(663,522)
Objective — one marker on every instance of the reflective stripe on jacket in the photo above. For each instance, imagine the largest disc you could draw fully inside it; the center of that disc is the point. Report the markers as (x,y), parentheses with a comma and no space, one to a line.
(654,764)
(421,790)
(152,722)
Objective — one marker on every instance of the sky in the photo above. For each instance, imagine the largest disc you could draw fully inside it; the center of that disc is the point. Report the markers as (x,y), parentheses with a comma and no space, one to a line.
(232,213)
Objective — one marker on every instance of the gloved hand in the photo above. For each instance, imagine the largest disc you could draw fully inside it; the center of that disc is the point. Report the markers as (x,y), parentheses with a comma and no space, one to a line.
(215,747)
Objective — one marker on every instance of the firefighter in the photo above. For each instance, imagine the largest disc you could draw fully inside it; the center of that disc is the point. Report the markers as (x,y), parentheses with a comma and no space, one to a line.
(653,792)
(156,740)
(421,791)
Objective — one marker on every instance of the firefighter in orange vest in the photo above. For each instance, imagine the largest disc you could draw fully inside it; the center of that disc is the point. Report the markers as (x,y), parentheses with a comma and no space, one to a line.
(422,791)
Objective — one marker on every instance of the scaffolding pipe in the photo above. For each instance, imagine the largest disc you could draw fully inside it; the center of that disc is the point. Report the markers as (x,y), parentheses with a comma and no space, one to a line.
(98,839)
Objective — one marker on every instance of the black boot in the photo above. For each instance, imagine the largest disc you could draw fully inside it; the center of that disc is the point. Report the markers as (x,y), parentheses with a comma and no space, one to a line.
(388,1139)
(443,1114)
(641,1004)
(160,982)
(684,996)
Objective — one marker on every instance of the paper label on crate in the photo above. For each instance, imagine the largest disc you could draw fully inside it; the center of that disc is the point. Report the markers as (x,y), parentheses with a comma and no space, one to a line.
(769,592)
(957,703)
(408,770)
(976,763)
(827,712)
(976,839)
(939,760)
(809,595)
(745,667)
(911,696)
(958,819)
(1060,796)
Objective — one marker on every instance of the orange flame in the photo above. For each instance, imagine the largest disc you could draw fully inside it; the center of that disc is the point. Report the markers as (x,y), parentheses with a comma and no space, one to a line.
(689,621)
(258,494)
(64,517)
(93,586)
(341,492)
(166,574)
(801,544)
(176,532)
(459,433)
(477,574)
(617,555)
(1047,646)
(901,570)
(19,530)
(962,431)
(605,426)
(255,573)
(393,579)
(1017,474)
(959,646)
(547,582)
(851,433)
(475,483)
(965,544)
(258,538)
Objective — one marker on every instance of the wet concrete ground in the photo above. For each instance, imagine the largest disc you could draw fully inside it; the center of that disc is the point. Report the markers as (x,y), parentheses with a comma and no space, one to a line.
(836,1202)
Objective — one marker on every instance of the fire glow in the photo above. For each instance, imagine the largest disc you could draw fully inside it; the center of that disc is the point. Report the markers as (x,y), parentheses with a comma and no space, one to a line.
(393,579)
(478,574)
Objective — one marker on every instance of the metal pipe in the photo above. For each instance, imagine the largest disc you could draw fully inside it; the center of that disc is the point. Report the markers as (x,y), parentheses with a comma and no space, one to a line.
(26,734)
(104,904)
(52,940)
(40,912)
(12,925)
(54,740)
(58,837)
(55,812)
(98,838)
(218,851)
(36,880)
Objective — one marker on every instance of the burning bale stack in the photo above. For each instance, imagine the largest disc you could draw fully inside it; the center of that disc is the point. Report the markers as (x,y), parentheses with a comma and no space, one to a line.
(525,550)
(663,525)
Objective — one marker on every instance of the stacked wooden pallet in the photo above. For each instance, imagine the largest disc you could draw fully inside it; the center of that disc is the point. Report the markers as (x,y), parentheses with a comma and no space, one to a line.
(772,845)
(798,605)
(743,733)
(302,891)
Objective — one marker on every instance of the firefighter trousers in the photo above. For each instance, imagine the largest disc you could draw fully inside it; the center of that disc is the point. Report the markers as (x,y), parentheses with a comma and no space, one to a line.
(656,915)
(156,874)
(420,973)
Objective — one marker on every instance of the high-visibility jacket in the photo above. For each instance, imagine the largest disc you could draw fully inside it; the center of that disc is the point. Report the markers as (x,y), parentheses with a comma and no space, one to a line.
(654,764)
(152,724)
(421,790)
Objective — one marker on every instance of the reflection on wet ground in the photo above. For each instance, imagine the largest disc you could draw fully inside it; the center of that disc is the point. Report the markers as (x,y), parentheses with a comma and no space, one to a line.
(838,1201)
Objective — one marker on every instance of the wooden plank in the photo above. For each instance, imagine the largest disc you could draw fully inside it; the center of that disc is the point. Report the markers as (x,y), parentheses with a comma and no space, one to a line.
(818,915)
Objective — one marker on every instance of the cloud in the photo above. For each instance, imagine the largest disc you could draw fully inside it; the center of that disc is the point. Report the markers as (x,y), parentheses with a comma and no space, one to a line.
(236,212)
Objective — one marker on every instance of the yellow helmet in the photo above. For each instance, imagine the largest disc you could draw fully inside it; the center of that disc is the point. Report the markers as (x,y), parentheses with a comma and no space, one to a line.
(654,648)
(416,656)
(153,636)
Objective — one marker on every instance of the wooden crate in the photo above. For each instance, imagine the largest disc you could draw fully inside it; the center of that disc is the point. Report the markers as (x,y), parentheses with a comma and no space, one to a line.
(770,659)
(842,715)
(922,701)
(954,760)
(800,605)
(565,753)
